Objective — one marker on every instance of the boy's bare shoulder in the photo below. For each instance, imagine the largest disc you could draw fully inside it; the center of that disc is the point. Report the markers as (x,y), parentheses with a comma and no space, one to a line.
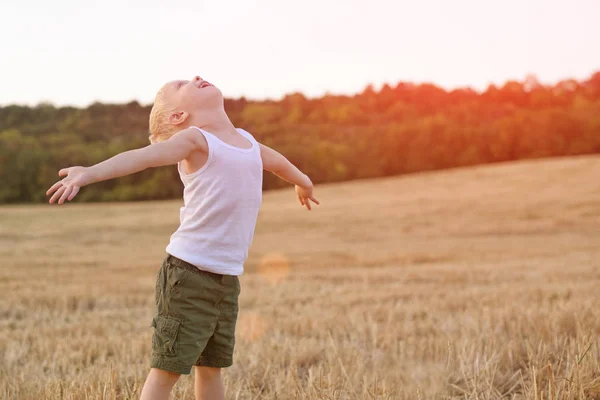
(195,137)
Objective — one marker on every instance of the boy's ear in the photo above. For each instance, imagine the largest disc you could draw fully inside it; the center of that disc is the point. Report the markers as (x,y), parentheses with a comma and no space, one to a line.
(178,117)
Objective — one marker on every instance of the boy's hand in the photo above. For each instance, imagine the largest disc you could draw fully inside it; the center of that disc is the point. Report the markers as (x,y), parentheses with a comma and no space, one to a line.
(305,195)
(67,188)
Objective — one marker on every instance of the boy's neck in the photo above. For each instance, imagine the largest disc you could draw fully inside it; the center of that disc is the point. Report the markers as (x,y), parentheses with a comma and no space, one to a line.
(214,121)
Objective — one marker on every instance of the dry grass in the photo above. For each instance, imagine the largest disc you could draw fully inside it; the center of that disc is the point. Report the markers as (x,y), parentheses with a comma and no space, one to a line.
(481,283)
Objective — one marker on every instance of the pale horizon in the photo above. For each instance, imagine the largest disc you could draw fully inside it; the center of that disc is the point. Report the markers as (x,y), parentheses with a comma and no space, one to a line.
(66,53)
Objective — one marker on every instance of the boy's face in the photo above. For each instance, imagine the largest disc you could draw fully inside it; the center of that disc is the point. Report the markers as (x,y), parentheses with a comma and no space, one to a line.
(193,95)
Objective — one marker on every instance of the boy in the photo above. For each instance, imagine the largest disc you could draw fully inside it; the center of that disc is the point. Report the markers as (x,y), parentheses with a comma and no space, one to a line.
(197,286)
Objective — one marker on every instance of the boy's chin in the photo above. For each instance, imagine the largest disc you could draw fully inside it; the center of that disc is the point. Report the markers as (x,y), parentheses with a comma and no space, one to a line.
(208,102)
(210,92)
(215,97)
(215,91)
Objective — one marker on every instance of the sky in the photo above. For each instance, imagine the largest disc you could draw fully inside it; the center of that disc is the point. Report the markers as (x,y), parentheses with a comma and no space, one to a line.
(73,52)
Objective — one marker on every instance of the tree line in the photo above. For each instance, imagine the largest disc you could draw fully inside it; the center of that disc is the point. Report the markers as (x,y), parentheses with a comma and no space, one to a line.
(397,129)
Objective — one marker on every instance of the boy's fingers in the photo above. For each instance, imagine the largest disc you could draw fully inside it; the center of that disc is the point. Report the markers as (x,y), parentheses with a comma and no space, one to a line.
(65,194)
(74,193)
(63,172)
(56,195)
(53,188)
(307,204)
(315,200)
(300,200)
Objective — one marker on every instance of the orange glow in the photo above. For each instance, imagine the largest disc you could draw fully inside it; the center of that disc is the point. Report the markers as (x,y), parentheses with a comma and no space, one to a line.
(274,267)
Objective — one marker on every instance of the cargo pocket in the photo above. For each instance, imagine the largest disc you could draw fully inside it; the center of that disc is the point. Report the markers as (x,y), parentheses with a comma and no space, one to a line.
(165,334)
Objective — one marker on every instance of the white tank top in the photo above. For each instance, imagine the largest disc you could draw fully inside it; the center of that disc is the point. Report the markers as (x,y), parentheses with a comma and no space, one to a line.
(221,202)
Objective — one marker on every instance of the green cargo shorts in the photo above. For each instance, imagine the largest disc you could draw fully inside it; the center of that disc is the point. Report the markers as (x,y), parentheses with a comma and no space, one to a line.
(195,319)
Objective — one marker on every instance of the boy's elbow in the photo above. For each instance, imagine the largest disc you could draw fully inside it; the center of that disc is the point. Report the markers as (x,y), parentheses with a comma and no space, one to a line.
(270,167)
(277,164)
(274,170)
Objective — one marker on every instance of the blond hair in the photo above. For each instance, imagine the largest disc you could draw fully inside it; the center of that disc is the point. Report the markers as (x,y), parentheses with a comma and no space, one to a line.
(160,129)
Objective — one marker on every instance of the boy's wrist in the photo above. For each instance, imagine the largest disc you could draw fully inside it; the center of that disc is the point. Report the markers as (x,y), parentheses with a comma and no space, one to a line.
(307,182)
(91,175)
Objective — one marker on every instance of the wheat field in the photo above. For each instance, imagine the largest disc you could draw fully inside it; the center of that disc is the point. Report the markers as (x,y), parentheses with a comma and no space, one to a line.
(475,283)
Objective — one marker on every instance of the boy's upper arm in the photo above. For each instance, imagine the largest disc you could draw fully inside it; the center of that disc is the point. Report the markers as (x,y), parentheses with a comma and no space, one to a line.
(177,147)
(271,159)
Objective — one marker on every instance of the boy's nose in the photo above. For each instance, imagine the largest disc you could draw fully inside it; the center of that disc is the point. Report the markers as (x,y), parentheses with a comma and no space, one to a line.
(197,78)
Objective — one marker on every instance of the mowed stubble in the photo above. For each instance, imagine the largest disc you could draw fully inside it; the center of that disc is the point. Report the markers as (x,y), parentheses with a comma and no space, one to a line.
(476,283)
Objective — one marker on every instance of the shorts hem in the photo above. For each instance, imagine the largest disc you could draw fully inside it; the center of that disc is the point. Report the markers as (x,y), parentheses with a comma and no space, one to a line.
(170,366)
(214,362)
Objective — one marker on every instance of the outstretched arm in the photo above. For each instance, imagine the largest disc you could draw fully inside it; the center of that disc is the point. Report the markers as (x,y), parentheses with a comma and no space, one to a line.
(283,168)
(171,151)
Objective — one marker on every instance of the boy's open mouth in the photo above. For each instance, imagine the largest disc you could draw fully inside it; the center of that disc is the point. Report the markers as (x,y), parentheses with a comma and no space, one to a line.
(204,84)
